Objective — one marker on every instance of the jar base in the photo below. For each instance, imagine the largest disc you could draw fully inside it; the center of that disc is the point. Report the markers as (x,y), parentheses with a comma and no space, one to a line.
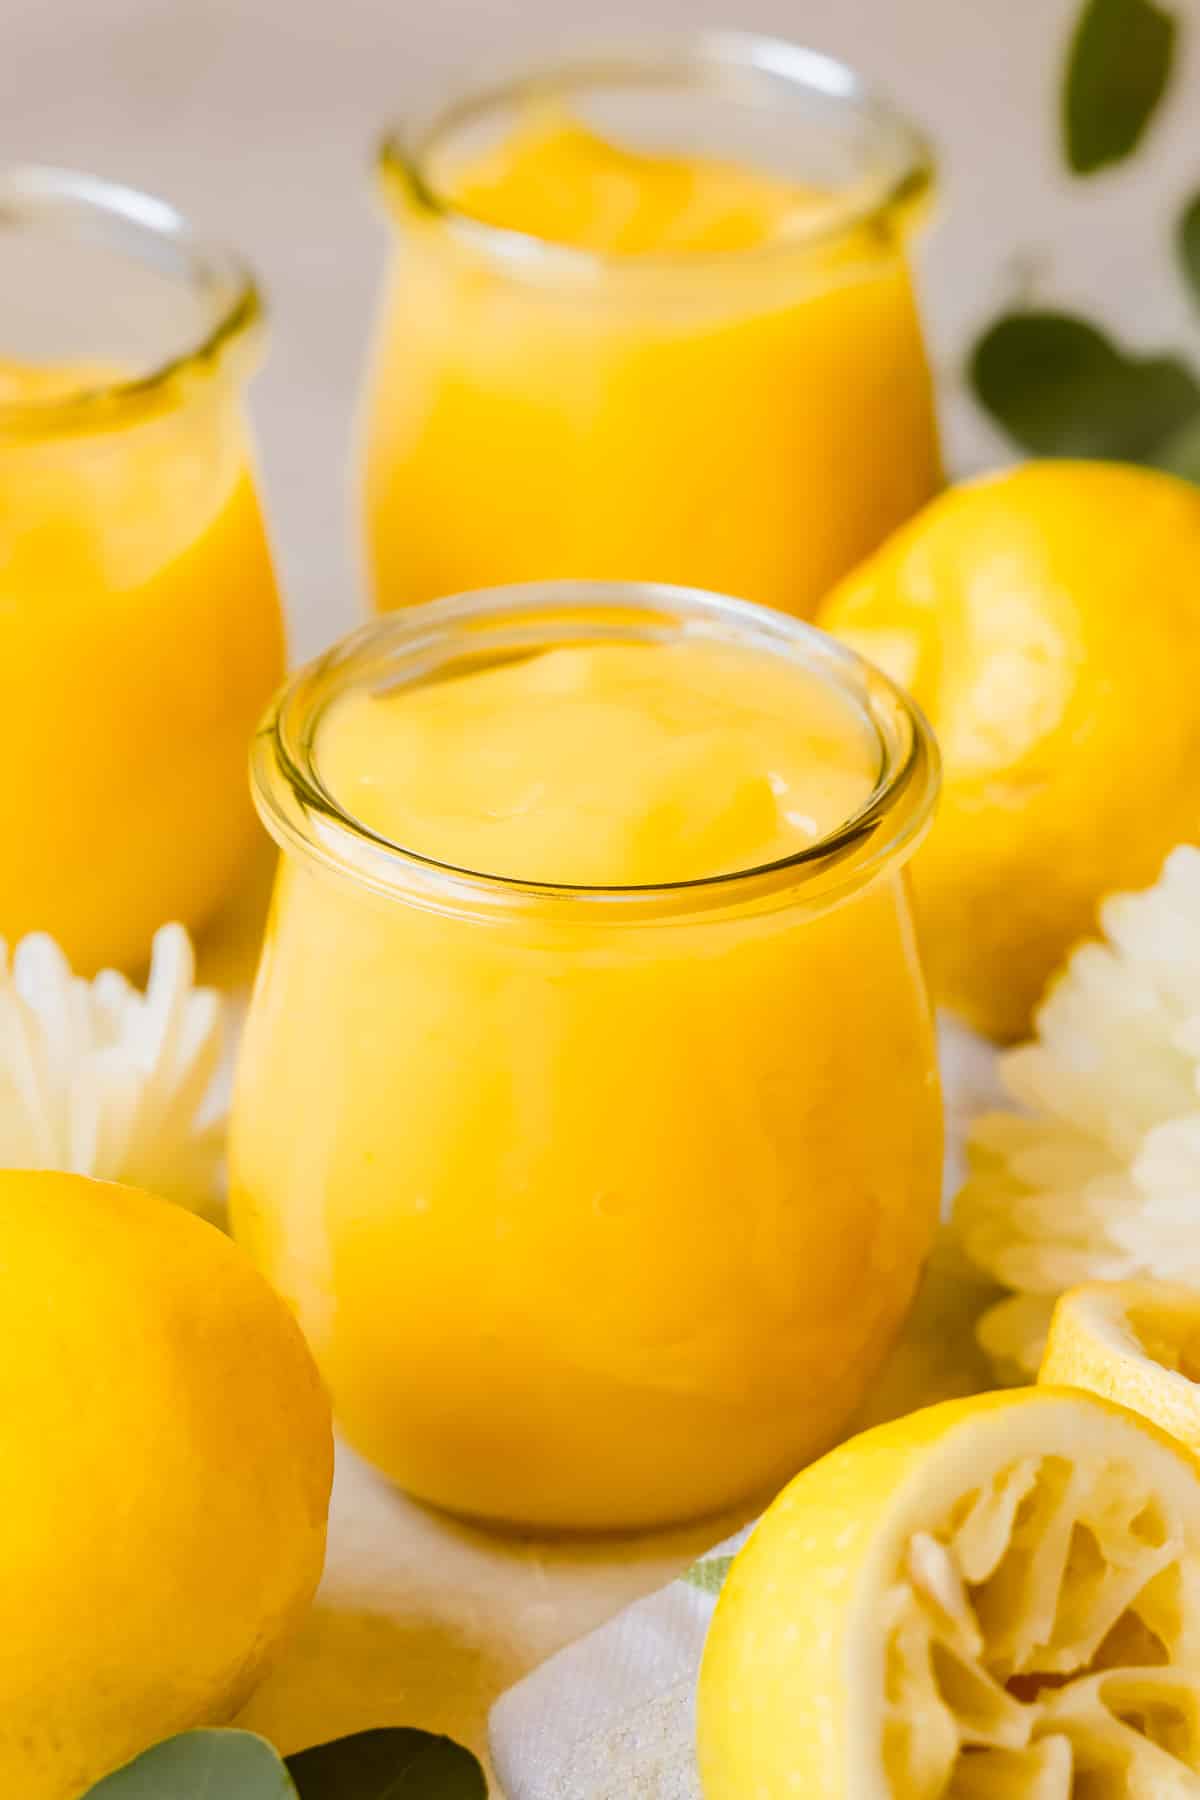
(728,1509)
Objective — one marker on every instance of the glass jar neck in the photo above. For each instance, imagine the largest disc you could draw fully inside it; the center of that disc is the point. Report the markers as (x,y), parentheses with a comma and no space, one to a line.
(111,308)
(473,631)
(764,104)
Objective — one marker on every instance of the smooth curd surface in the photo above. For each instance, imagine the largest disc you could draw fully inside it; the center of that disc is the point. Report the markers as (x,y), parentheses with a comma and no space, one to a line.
(591,1222)
(604,765)
(753,417)
(141,637)
(29,384)
(556,179)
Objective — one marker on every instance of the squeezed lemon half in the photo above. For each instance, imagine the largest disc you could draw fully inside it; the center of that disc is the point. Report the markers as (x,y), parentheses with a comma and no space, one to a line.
(1136,1342)
(993,1599)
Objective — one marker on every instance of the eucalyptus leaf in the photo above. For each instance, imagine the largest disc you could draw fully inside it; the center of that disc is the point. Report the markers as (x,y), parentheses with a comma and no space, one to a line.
(1060,387)
(1180,454)
(1189,243)
(709,1575)
(1117,71)
(390,1764)
(202,1765)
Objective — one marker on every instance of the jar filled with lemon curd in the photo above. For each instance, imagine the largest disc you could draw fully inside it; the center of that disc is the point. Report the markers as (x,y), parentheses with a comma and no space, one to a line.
(140,626)
(650,317)
(587,1112)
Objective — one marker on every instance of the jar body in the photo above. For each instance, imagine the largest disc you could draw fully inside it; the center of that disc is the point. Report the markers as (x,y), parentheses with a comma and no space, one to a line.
(589,1226)
(142,636)
(755,432)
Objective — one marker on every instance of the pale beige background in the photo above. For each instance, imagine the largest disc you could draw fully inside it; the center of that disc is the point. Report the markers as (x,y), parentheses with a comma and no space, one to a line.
(256,116)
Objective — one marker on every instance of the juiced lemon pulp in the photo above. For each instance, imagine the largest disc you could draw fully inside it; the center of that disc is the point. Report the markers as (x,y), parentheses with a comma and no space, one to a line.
(990,1599)
(604,765)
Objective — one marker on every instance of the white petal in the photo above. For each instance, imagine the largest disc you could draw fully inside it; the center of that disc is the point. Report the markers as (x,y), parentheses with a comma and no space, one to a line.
(98,1078)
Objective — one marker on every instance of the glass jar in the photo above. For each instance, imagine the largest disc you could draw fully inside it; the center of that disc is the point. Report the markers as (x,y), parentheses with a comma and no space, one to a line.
(599,1206)
(140,627)
(752,421)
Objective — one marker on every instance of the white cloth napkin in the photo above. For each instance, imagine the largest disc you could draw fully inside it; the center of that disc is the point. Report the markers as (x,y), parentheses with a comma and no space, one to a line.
(612,1717)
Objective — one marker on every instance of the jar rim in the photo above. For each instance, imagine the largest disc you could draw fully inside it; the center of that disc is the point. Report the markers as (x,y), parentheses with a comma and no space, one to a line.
(147,230)
(304,816)
(715,56)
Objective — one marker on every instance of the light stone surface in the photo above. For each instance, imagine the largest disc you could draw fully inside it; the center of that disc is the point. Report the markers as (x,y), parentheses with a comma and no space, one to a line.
(256,117)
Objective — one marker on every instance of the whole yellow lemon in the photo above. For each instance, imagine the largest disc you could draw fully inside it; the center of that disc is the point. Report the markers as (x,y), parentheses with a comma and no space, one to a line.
(167,1459)
(1047,619)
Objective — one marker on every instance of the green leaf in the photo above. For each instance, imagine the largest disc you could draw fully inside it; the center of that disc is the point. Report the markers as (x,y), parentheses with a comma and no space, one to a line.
(201,1765)
(1180,454)
(1189,243)
(390,1764)
(1059,387)
(709,1575)
(1117,70)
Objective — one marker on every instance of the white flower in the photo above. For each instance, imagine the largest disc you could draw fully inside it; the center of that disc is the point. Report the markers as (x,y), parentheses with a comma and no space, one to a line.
(1097,1177)
(100,1079)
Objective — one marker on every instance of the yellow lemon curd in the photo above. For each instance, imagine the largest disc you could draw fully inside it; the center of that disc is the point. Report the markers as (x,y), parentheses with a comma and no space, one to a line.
(596,360)
(599,1198)
(604,765)
(141,637)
